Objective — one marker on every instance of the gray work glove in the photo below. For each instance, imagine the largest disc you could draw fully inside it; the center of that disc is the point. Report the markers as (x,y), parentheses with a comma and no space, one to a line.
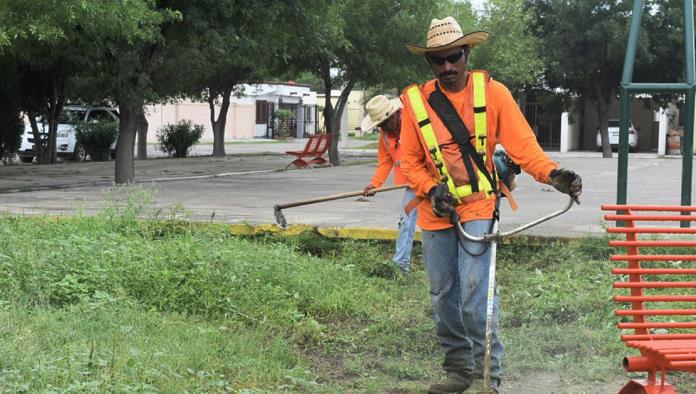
(441,200)
(568,182)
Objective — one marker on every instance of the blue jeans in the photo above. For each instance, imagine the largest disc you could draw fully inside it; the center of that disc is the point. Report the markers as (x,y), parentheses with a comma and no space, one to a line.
(407,226)
(458,287)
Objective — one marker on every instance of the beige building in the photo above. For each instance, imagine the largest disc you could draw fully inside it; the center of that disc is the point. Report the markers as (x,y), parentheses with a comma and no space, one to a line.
(352,115)
(249,116)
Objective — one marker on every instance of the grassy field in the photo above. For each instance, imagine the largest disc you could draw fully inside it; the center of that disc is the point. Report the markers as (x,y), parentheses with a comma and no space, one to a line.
(116,304)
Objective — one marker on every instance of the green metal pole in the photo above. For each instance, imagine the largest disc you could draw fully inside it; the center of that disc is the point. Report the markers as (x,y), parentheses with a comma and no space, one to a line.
(688,140)
(687,150)
(689,41)
(657,87)
(630,57)
(622,179)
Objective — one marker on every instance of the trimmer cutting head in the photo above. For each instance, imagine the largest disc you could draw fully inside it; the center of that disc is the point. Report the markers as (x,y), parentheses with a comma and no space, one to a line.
(279,217)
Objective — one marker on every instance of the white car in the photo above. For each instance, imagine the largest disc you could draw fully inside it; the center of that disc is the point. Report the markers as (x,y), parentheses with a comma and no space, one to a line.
(614,136)
(66,138)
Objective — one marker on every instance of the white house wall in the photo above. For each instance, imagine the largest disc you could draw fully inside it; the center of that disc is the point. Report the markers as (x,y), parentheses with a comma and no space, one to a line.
(241,117)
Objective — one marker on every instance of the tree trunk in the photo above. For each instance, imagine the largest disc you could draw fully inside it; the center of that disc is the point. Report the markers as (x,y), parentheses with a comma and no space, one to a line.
(329,126)
(337,114)
(220,123)
(58,101)
(39,145)
(603,102)
(142,134)
(125,172)
(51,115)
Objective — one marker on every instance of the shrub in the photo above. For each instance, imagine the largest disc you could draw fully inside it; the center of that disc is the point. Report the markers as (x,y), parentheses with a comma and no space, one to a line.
(177,139)
(283,118)
(11,126)
(96,138)
(11,129)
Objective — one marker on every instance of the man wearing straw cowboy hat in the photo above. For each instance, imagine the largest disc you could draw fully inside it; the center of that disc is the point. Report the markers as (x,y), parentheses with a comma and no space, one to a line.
(386,114)
(449,131)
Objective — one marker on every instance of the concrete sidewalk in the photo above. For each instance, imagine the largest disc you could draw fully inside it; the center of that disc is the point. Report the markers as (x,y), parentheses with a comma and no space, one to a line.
(244,186)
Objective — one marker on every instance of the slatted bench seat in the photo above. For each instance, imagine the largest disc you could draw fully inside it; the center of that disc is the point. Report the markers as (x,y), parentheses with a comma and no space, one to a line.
(662,293)
(317,145)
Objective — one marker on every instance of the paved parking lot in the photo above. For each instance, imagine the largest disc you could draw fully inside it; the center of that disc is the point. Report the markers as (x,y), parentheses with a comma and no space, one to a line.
(244,186)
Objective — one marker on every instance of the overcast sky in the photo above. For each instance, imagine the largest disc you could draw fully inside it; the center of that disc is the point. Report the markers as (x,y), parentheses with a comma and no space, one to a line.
(477,4)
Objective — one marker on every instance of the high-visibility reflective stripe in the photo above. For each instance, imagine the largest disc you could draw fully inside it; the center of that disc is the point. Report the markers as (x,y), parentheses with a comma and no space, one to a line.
(480,126)
(480,132)
(426,128)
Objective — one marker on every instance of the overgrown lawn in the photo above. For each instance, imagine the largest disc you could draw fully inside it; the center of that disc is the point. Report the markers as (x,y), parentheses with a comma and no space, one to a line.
(117,304)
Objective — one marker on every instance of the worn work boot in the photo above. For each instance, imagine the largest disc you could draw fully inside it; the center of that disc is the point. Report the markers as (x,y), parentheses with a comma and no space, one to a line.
(456,382)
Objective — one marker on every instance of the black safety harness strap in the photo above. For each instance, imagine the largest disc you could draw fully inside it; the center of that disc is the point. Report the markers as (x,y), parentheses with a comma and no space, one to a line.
(455,125)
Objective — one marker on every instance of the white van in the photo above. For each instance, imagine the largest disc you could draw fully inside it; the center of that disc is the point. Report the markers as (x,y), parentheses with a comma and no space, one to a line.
(614,136)
(66,138)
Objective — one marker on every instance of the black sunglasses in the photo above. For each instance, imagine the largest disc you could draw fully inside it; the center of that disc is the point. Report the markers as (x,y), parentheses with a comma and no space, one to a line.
(451,59)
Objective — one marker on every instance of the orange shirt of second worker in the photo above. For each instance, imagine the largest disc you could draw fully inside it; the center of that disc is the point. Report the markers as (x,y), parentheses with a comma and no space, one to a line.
(506,125)
(388,157)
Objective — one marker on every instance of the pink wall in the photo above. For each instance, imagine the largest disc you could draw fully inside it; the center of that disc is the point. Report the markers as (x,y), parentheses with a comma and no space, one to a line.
(241,119)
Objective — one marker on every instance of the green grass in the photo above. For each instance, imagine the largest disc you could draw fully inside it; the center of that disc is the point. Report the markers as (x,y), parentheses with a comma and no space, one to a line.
(116,304)
(368,137)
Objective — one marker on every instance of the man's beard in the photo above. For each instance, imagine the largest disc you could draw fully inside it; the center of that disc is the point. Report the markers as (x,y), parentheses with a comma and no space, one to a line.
(451,83)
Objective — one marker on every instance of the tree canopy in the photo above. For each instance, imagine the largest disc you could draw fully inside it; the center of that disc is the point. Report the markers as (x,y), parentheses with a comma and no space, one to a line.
(584,47)
(135,52)
(223,44)
(511,54)
(351,41)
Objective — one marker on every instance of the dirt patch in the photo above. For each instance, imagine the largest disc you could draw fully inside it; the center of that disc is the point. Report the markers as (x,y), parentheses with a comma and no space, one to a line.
(549,382)
(329,369)
(533,383)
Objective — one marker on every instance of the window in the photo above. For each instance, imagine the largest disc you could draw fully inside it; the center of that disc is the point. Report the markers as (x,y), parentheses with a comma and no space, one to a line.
(261,111)
(71,116)
(100,115)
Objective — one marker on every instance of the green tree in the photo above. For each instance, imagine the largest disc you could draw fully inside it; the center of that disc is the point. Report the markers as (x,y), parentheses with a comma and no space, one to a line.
(55,42)
(584,47)
(224,43)
(353,41)
(11,125)
(125,71)
(511,53)
(664,60)
(49,49)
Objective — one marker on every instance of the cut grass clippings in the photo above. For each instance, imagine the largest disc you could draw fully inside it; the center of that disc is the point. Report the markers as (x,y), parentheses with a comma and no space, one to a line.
(114,303)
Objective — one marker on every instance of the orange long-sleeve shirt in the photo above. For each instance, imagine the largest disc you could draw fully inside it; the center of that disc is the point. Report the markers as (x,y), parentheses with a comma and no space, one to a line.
(506,126)
(388,152)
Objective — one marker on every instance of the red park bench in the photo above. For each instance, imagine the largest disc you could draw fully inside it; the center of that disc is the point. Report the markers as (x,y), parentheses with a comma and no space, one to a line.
(660,300)
(316,147)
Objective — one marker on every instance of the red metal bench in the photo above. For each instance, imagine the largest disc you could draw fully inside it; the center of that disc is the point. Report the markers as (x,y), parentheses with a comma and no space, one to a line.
(661,293)
(316,147)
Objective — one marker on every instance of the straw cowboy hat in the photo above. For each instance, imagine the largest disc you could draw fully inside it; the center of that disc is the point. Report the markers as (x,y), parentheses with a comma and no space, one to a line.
(379,109)
(444,34)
